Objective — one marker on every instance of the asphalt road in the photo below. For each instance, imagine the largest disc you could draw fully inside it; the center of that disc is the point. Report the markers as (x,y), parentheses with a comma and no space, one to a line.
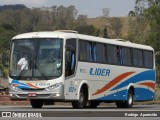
(67,112)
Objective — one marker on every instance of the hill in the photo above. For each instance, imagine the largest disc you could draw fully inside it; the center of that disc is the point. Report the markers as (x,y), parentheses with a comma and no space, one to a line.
(112,23)
(13,7)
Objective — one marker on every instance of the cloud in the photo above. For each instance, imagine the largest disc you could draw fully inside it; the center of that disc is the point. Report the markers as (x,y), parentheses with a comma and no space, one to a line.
(28,3)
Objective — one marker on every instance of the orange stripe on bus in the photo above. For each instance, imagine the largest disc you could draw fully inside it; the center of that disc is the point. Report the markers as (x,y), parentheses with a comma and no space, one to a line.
(149,84)
(32,85)
(113,82)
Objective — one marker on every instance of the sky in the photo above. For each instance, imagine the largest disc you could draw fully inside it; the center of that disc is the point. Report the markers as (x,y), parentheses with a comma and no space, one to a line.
(91,8)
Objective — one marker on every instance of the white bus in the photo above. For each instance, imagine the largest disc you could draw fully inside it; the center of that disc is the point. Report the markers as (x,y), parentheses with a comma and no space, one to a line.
(84,70)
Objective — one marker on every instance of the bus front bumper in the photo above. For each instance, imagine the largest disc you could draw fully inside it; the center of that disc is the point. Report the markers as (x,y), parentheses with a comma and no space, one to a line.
(54,94)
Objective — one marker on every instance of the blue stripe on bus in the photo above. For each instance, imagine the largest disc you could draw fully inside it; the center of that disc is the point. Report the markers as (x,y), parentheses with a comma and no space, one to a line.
(143,76)
(20,84)
(141,94)
(115,96)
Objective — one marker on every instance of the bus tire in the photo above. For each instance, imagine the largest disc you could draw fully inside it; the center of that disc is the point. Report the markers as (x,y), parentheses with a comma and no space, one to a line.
(81,103)
(119,104)
(92,104)
(128,103)
(36,103)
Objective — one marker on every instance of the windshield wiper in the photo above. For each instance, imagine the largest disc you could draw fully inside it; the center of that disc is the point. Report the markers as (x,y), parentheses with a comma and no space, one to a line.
(22,72)
(42,73)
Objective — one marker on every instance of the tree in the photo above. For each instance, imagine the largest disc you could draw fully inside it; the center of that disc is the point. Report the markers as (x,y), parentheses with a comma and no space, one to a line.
(105,32)
(138,28)
(105,12)
(131,13)
(5,39)
(153,17)
(12,7)
(66,17)
(116,26)
(80,23)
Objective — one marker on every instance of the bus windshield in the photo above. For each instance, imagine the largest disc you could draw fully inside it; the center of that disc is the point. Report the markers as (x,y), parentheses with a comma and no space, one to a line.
(36,58)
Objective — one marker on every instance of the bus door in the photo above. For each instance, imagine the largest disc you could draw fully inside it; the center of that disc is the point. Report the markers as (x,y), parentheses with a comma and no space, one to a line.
(70,64)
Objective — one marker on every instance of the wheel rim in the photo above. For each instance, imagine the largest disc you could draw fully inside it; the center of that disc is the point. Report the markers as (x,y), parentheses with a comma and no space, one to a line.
(81,99)
(130,99)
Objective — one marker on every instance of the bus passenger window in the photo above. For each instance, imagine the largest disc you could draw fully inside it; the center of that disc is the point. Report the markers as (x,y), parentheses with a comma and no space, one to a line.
(85,51)
(70,58)
(93,52)
(126,56)
(148,59)
(89,52)
(114,54)
(111,54)
(101,55)
(137,58)
(119,55)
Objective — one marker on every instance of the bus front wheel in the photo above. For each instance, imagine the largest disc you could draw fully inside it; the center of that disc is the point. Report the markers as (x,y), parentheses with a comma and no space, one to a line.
(81,102)
(36,103)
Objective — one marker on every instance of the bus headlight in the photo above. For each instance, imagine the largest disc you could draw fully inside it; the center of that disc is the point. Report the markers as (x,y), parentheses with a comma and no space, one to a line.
(15,88)
(53,86)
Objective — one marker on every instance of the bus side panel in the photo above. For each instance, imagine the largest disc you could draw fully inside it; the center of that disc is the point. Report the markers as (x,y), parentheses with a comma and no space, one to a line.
(111,82)
(121,95)
(144,94)
(70,90)
(143,83)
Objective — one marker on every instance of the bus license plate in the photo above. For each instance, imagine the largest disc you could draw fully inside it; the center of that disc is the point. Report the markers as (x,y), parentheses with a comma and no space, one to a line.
(32,94)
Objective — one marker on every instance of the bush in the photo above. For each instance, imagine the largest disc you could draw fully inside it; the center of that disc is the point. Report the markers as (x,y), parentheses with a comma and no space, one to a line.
(3,71)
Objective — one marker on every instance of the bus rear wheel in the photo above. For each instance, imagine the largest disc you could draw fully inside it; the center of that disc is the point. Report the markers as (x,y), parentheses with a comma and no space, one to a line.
(36,103)
(81,103)
(128,103)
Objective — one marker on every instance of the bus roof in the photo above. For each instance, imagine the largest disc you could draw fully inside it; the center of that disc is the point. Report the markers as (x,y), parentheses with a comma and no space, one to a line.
(68,34)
